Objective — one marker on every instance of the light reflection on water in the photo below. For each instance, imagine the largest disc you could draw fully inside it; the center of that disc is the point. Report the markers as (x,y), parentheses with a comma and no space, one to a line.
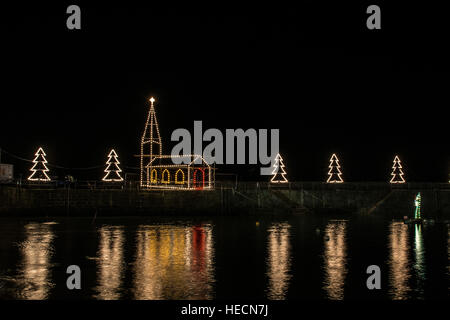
(110,263)
(173,262)
(335,259)
(419,260)
(34,271)
(399,261)
(278,261)
(178,260)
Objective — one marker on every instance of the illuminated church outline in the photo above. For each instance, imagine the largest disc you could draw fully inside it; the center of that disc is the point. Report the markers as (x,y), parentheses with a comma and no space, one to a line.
(158,171)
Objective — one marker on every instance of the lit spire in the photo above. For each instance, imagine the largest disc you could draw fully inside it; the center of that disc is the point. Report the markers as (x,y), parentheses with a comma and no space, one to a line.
(152,138)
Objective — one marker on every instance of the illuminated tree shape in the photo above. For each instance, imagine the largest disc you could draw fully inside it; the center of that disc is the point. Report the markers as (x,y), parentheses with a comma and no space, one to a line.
(417,203)
(39,169)
(397,173)
(278,171)
(334,174)
(113,170)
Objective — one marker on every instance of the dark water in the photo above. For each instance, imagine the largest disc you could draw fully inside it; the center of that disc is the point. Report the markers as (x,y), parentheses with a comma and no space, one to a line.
(156,258)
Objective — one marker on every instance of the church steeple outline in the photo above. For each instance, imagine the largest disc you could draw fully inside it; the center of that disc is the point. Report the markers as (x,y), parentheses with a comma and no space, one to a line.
(153,141)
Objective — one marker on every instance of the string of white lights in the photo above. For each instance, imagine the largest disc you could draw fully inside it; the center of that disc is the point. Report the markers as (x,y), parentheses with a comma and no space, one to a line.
(54,165)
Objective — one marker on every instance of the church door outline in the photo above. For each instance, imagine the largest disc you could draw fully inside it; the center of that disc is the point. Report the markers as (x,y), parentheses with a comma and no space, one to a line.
(199,185)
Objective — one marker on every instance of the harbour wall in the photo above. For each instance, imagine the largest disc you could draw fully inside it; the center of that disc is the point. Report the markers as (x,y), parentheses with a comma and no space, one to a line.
(251,198)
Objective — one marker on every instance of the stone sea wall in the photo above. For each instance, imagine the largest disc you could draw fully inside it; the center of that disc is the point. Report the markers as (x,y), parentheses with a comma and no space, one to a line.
(228,199)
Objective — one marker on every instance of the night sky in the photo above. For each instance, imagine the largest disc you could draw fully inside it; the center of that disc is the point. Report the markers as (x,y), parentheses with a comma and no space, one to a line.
(315,72)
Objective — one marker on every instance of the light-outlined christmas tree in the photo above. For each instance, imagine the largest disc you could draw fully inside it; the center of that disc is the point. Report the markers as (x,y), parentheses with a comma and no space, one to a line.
(39,169)
(397,173)
(113,170)
(417,204)
(278,171)
(334,174)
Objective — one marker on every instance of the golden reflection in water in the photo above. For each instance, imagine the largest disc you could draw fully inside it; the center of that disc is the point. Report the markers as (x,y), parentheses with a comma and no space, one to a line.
(335,259)
(399,261)
(35,269)
(278,261)
(173,262)
(110,263)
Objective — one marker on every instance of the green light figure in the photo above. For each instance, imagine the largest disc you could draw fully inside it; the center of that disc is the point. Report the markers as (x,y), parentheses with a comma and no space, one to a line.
(417,204)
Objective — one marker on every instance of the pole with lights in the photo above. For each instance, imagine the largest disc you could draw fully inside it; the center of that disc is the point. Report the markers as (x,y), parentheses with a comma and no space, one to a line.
(417,204)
